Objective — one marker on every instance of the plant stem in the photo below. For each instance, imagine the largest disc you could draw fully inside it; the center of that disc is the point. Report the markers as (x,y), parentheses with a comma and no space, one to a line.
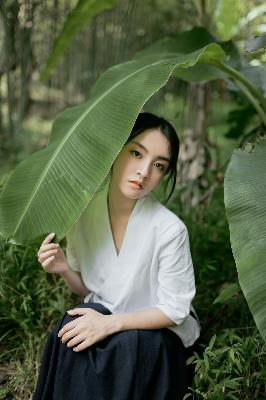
(252,100)
(250,91)
(237,75)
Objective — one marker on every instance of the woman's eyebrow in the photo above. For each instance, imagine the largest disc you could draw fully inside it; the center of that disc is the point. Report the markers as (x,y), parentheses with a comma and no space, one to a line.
(144,148)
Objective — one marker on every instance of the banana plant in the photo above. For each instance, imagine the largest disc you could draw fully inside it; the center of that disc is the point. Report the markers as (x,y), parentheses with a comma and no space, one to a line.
(48,191)
(245,206)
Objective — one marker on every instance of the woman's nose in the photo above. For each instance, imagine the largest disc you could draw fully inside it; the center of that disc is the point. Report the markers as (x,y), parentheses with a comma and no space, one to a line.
(144,170)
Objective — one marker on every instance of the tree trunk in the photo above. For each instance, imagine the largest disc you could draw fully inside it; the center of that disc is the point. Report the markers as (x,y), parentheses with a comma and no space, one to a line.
(26,60)
(2,135)
(195,158)
(9,16)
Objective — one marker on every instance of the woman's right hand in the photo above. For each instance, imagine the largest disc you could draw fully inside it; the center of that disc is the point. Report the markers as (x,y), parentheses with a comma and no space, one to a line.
(52,257)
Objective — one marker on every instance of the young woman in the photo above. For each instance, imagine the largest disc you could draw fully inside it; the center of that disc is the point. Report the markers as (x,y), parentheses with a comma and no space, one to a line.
(129,256)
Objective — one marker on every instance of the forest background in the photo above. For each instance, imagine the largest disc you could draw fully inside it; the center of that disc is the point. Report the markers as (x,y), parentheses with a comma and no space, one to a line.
(212,118)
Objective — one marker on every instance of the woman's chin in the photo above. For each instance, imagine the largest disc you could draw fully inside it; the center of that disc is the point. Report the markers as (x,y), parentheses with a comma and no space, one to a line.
(131,194)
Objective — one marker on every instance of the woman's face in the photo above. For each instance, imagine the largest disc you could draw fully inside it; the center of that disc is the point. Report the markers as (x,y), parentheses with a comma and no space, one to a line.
(144,159)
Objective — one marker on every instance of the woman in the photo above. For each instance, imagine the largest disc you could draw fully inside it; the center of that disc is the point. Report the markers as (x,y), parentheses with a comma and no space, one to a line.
(129,256)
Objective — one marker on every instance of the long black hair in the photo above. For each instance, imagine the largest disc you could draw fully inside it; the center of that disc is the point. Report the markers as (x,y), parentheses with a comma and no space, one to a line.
(146,120)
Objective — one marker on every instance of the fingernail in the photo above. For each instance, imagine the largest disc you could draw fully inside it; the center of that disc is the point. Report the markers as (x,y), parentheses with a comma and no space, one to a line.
(52,234)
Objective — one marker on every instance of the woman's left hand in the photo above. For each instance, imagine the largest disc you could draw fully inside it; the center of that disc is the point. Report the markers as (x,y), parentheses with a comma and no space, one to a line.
(88,329)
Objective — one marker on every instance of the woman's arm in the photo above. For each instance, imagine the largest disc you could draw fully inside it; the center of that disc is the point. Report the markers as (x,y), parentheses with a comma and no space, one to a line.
(147,318)
(53,260)
(92,326)
(74,282)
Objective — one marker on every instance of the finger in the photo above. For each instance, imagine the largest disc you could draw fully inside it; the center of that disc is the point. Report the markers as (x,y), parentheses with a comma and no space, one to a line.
(48,238)
(83,345)
(46,254)
(76,340)
(70,325)
(47,262)
(68,335)
(78,311)
(48,247)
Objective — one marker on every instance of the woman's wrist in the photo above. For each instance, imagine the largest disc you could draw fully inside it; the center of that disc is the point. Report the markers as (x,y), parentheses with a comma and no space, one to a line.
(115,324)
(65,270)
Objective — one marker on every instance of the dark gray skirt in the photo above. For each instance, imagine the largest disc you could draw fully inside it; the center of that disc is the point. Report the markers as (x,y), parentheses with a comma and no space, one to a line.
(137,364)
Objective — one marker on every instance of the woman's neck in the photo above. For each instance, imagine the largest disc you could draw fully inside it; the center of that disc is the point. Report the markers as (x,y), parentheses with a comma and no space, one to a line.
(119,205)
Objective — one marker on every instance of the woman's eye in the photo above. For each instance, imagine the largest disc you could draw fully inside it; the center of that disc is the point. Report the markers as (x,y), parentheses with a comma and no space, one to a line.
(135,152)
(160,166)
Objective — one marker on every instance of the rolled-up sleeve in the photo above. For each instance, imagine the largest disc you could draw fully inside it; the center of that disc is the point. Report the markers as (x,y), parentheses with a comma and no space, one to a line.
(71,255)
(176,281)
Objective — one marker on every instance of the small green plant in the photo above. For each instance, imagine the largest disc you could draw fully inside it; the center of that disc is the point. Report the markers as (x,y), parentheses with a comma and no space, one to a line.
(231,367)
(31,301)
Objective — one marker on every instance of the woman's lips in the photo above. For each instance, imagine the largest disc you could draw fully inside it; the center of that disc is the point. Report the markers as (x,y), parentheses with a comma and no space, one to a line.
(136,185)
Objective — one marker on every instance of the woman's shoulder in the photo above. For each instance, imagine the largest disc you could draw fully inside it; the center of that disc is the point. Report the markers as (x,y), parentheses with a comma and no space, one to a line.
(166,220)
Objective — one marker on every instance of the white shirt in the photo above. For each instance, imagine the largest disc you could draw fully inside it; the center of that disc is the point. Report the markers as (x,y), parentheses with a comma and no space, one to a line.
(153,268)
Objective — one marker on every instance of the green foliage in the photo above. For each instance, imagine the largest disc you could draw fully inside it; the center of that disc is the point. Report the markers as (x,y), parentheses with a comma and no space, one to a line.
(241,121)
(79,17)
(214,267)
(228,294)
(31,301)
(233,363)
(226,17)
(186,42)
(245,193)
(231,367)
(48,191)
(29,298)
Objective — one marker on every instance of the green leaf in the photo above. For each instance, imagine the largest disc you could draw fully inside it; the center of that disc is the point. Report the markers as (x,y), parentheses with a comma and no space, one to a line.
(232,355)
(212,341)
(50,190)
(186,42)
(79,17)
(232,383)
(227,293)
(245,204)
(199,73)
(226,18)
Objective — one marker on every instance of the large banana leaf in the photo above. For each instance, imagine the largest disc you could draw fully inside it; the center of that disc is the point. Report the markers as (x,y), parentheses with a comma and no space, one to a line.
(48,191)
(245,203)
(186,42)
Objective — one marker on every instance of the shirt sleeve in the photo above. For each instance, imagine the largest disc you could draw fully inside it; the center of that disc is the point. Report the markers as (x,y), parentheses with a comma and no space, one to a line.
(71,255)
(176,281)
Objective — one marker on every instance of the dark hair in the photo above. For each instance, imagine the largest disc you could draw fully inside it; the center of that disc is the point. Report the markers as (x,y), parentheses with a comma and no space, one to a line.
(146,120)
